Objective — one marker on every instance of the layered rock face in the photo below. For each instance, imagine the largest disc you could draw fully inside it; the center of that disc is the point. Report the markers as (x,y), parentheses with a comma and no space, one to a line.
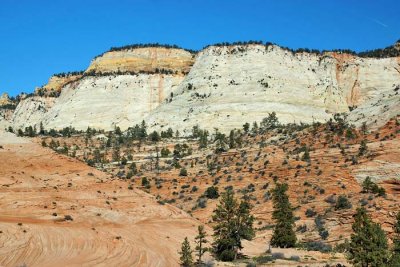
(226,87)
(146,59)
(107,101)
(31,111)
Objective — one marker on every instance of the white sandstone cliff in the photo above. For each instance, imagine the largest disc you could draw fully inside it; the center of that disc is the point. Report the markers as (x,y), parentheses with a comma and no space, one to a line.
(226,87)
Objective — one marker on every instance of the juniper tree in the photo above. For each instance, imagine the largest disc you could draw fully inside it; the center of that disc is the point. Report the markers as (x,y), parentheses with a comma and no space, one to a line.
(200,240)
(186,254)
(283,235)
(232,223)
(368,246)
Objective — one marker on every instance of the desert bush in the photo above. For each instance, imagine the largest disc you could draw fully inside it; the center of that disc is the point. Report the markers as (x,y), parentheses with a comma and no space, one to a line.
(317,246)
(342,203)
(183,172)
(211,192)
(68,218)
(310,213)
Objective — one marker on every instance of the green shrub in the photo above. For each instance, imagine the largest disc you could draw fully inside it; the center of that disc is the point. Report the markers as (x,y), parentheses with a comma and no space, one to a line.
(227,255)
(211,192)
(317,246)
(183,172)
(342,203)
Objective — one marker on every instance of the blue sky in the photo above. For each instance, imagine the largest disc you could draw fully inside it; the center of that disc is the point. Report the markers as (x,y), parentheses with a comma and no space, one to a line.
(42,37)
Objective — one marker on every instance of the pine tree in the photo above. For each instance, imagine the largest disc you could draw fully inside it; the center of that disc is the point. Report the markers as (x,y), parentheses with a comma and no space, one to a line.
(246,127)
(284,235)
(232,139)
(254,130)
(203,141)
(368,246)
(270,122)
(142,134)
(363,148)
(220,141)
(306,155)
(200,240)
(364,128)
(395,259)
(41,128)
(186,254)
(232,223)
(155,137)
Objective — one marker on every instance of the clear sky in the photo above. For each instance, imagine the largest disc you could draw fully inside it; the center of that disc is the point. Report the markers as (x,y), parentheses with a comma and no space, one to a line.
(41,37)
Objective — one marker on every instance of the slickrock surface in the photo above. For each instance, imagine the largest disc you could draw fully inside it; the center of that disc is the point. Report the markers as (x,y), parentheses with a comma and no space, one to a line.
(226,87)
(111,226)
(30,111)
(103,102)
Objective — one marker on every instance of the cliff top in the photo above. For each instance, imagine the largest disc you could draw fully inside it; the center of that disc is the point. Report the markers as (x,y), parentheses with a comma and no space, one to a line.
(143,58)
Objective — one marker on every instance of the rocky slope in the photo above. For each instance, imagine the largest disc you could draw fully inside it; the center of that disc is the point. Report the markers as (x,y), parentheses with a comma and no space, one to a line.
(104,102)
(229,86)
(31,111)
(226,87)
(57,211)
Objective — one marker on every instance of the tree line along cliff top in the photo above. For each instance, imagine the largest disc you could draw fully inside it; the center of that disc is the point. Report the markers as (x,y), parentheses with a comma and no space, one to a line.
(389,51)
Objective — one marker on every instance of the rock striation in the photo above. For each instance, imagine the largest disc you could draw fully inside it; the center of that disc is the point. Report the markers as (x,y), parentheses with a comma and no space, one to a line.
(107,101)
(229,86)
(219,87)
(143,59)
(57,82)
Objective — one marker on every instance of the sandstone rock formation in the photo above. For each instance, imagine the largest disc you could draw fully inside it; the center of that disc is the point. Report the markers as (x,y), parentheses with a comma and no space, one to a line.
(5,99)
(226,87)
(105,102)
(57,82)
(30,111)
(143,59)
(108,224)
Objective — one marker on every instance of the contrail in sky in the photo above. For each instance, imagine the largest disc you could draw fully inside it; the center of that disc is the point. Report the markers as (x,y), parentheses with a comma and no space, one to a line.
(379,22)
